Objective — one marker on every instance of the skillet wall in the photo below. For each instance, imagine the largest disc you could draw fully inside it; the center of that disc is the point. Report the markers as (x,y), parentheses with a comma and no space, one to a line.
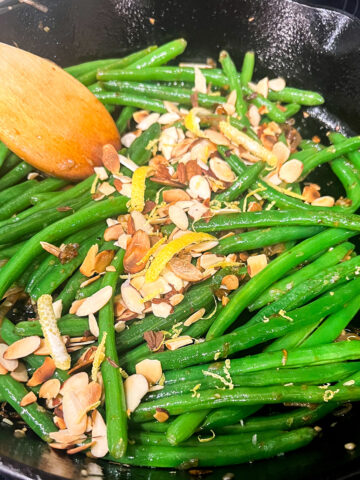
(312,48)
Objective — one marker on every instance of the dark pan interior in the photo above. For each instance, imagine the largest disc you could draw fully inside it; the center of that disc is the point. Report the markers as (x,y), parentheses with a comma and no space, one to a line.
(313,48)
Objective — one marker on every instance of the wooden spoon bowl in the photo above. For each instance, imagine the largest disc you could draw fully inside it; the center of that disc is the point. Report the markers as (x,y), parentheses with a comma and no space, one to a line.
(49,119)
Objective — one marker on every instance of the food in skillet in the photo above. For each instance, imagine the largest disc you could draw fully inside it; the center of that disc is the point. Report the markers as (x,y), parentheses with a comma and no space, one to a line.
(139,280)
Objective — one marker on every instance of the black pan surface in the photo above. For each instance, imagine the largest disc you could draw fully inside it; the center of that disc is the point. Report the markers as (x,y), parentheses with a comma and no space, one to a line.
(311,47)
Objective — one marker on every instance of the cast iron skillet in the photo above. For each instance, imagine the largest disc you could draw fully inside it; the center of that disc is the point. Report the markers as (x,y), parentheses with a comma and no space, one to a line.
(313,48)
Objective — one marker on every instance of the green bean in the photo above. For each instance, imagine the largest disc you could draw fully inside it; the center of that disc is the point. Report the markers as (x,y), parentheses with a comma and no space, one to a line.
(301,357)
(138,151)
(330,153)
(293,339)
(354,156)
(38,221)
(247,68)
(207,456)
(274,271)
(291,110)
(17,204)
(59,272)
(230,72)
(161,55)
(15,175)
(81,68)
(56,201)
(68,293)
(88,78)
(327,259)
(148,90)
(9,163)
(87,291)
(131,100)
(220,417)
(242,183)
(318,284)
(184,426)
(332,327)
(124,118)
(38,420)
(43,197)
(153,427)
(332,372)
(16,190)
(116,418)
(4,151)
(296,95)
(262,238)
(9,250)
(211,398)
(57,231)
(68,324)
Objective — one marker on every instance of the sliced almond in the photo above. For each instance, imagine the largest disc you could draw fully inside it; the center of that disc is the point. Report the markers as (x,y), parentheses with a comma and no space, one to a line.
(110,158)
(128,139)
(209,259)
(43,349)
(22,348)
(106,189)
(93,325)
(43,373)
(99,436)
(52,249)
(138,282)
(57,307)
(199,81)
(262,87)
(165,119)
(136,386)
(281,151)
(95,302)
(50,389)
(311,192)
(161,415)
(140,115)
(28,399)
(81,448)
(216,137)
(291,171)
(194,317)
(178,217)
(150,369)
(148,121)
(203,247)
(3,371)
(185,270)
(176,299)
(154,289)
(197,210)
(113,232)
(230,282)
(20,373)
(101,173)
(66,437)
(325,201)
(119,326)
(73,412)
(123,241)
(221,170)
(162,310)
(103,260)
(168,139)
(256,263)
(76,305)
(173,279)
(75,383)
(175,195)
(199,187)
(137,248)
(9,365)
(178,342)
(132,298)
(254,116)
(88,264)
(277,84)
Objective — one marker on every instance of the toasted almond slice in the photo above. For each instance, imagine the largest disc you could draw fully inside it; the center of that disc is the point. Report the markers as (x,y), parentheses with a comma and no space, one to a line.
(185,270)
(154,289)
(254,116)
(175,195)
(22,348)
(168,138)
(165,119)
(150,369)
(9,365)
(162,310)
(101,173)
(203,247)
(95,302)
(262,87)
(176,299)
(60,446)
(230,282)
(209,259)
(148,121)
(43,349)
(291,170)
(110,158)
(221,170)
(3,371)
(199,187)
(178,217)
(173,279)
(161,415)
(50,389)
(76,305)
(140,222)
(194,317)
(106,189)
(80,448)
(113,232)
(75,383)
(128,163)
(311,192)
(103,260)
(197,210)
(99,436)
(73,411)
(88,265)
(28,399)
(256,263)
(42,373)
(325,201)
(93,325)
(57,307)
(136,386)
(199,81)
(281,151)
(20,373)
(132,298)
(277,84)
(119,326)
(67,437)
(52,249)
(140,115)
(216,137)
(128,139)
(138,282)
(178,342)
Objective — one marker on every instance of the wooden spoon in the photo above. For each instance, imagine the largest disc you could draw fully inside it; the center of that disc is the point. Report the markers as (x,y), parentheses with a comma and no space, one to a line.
(48,118)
